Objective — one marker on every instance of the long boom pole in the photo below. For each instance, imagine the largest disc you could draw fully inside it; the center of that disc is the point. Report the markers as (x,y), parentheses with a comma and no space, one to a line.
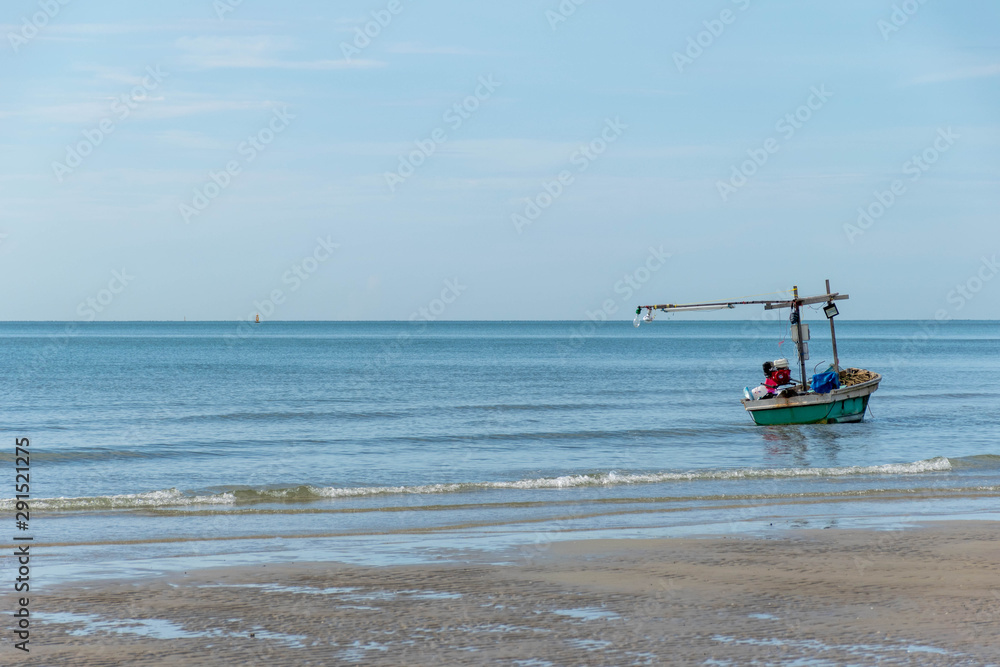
(769,304)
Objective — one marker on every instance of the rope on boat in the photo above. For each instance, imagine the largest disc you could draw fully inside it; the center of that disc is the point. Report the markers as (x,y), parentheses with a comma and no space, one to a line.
(853,376)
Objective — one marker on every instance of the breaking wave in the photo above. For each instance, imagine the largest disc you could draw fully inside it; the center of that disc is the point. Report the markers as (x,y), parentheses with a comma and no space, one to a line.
(304,493)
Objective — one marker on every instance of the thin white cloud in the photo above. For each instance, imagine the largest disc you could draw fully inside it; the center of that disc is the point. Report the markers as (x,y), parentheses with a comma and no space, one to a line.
(63,30)
(168,105)
(180,106)
(191,140)
(116,74)
(94,29)
(414,48)
(320,64)
(645,92)
(520,154)
(979,72)
(236,46)
(260,52)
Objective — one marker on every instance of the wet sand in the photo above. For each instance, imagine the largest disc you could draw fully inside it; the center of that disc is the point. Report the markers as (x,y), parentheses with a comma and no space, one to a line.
(928,596)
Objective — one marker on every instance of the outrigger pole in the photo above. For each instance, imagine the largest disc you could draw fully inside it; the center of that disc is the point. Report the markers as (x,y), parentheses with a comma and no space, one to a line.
(769,304)
(795,304)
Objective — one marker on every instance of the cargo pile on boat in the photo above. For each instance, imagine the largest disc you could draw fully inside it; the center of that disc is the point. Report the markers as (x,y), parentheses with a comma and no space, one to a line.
(852,376)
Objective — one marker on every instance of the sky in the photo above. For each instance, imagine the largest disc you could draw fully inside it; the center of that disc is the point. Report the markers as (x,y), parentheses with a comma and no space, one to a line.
(530,159)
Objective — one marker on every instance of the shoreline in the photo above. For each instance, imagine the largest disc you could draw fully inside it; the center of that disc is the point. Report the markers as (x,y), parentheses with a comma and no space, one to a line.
(843,595)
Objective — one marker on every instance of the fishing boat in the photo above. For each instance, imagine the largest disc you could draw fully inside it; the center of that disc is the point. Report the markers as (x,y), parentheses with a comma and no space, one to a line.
(832,397)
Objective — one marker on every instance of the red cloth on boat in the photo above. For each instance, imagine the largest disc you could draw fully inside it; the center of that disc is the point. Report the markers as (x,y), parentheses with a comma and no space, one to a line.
(776,378)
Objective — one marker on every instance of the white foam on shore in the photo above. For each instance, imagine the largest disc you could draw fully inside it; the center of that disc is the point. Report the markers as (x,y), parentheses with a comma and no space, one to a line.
(938,464)
(302,493)
(148,499)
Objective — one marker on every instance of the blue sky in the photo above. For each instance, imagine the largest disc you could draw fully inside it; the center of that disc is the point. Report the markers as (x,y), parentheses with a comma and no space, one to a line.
(659,171)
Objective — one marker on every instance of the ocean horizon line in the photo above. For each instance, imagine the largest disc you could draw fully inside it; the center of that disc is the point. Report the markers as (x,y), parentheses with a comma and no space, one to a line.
(472,321)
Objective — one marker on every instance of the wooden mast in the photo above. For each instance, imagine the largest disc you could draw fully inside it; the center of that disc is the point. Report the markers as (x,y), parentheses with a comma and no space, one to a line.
(833,334)
(798,336)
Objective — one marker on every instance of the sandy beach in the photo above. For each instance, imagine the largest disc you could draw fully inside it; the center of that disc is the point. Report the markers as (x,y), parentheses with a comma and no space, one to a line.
(927,595)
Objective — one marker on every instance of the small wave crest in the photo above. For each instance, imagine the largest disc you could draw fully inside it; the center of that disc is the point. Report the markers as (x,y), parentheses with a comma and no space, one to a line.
(305,493)
(981,461)
(613,478)
(145,500)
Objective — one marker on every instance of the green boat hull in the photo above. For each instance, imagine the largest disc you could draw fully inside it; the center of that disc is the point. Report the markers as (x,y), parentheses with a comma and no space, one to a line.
(847,404)
(847,410)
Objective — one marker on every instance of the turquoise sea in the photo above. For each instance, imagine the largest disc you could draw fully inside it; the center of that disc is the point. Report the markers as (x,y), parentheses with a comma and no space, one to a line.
(160,446)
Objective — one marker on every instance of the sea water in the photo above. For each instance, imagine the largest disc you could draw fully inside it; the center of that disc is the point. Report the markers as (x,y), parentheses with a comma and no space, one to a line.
(159,445)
